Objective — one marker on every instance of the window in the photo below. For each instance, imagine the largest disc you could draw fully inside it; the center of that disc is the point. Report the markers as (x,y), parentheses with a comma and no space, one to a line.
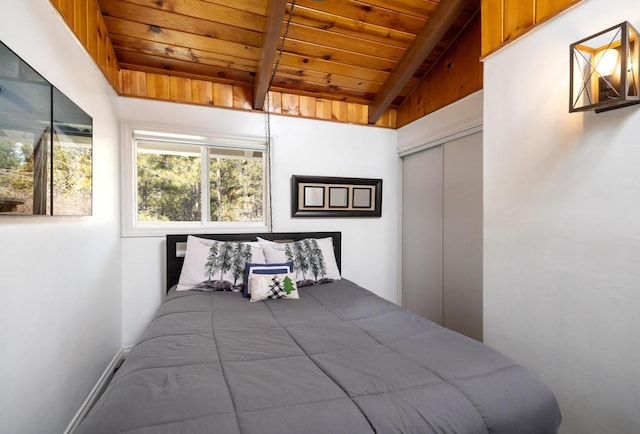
(192,181)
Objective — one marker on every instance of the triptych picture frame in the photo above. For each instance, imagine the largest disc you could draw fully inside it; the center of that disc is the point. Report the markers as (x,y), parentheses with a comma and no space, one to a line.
(327,196)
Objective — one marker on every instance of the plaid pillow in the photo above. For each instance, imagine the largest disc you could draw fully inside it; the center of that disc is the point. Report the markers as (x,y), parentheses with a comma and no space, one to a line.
(273,286)
(286,267)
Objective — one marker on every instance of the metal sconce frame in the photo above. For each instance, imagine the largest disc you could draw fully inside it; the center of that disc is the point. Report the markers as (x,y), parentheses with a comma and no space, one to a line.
(604,70)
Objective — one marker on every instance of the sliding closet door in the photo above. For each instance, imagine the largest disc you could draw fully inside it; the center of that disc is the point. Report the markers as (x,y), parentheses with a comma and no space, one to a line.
(462,235)
(442,234)
(422,234)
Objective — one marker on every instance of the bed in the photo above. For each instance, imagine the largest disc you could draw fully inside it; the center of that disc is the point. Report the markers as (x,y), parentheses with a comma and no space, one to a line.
(339,359)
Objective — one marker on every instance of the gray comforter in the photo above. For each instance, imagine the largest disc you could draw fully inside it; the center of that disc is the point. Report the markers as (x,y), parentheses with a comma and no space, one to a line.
(339,360)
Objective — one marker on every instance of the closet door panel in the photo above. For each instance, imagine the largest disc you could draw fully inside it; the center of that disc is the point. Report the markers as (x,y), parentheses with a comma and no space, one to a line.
(422,234)
(462,235)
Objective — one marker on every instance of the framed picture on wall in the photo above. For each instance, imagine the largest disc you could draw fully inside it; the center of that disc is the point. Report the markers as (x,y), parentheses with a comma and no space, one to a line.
(327,196)
(338,197)
(313,196)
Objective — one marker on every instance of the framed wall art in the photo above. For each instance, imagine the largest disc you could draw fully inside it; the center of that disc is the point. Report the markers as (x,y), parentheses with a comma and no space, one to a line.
(328,196)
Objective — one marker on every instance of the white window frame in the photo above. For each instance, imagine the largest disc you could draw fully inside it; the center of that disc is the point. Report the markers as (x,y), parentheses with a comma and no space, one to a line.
(131,227)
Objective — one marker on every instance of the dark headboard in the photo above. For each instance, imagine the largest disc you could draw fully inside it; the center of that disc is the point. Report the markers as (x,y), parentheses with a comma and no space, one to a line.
(174,262)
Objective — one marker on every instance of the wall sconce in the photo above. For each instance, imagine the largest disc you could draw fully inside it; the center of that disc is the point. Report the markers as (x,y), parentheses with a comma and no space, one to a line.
(604,70)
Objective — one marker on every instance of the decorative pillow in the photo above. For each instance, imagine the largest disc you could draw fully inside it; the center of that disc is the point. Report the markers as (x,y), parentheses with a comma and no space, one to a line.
(313,259)
(211,265)
(286,267)
(272,286)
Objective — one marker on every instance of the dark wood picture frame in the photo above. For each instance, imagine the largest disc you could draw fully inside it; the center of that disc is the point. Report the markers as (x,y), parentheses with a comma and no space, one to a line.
(356,200)
(309,197)
(338,197)
(339,185)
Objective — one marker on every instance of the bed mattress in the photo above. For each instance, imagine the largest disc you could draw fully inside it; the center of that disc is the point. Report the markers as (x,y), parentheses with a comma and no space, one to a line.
(338,360)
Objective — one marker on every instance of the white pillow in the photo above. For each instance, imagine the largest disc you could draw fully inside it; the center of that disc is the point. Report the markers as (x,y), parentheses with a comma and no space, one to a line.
(313,259)
(211,265)
(273,286)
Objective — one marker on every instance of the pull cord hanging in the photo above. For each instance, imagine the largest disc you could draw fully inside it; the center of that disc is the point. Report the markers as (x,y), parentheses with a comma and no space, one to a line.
(268,118)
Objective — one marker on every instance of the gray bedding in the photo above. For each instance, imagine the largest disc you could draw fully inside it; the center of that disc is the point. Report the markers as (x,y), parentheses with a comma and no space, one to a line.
(339,360)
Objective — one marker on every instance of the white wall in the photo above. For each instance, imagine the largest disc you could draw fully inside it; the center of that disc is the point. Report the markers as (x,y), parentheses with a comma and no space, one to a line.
(562,226)
(301,147)
(60,313)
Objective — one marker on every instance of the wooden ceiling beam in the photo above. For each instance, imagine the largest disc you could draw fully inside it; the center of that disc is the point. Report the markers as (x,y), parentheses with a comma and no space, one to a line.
(443,17)
(271,36)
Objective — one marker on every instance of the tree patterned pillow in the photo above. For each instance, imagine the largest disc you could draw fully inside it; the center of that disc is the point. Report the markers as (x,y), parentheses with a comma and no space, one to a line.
(313,259)
(211,265)
(272,286)
(286,267)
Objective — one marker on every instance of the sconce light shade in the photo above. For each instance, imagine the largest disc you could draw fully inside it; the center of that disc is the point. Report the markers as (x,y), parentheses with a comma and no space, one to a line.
(604,70)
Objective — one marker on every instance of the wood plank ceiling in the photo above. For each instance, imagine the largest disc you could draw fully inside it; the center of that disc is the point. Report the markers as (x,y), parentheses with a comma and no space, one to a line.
(371,52)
